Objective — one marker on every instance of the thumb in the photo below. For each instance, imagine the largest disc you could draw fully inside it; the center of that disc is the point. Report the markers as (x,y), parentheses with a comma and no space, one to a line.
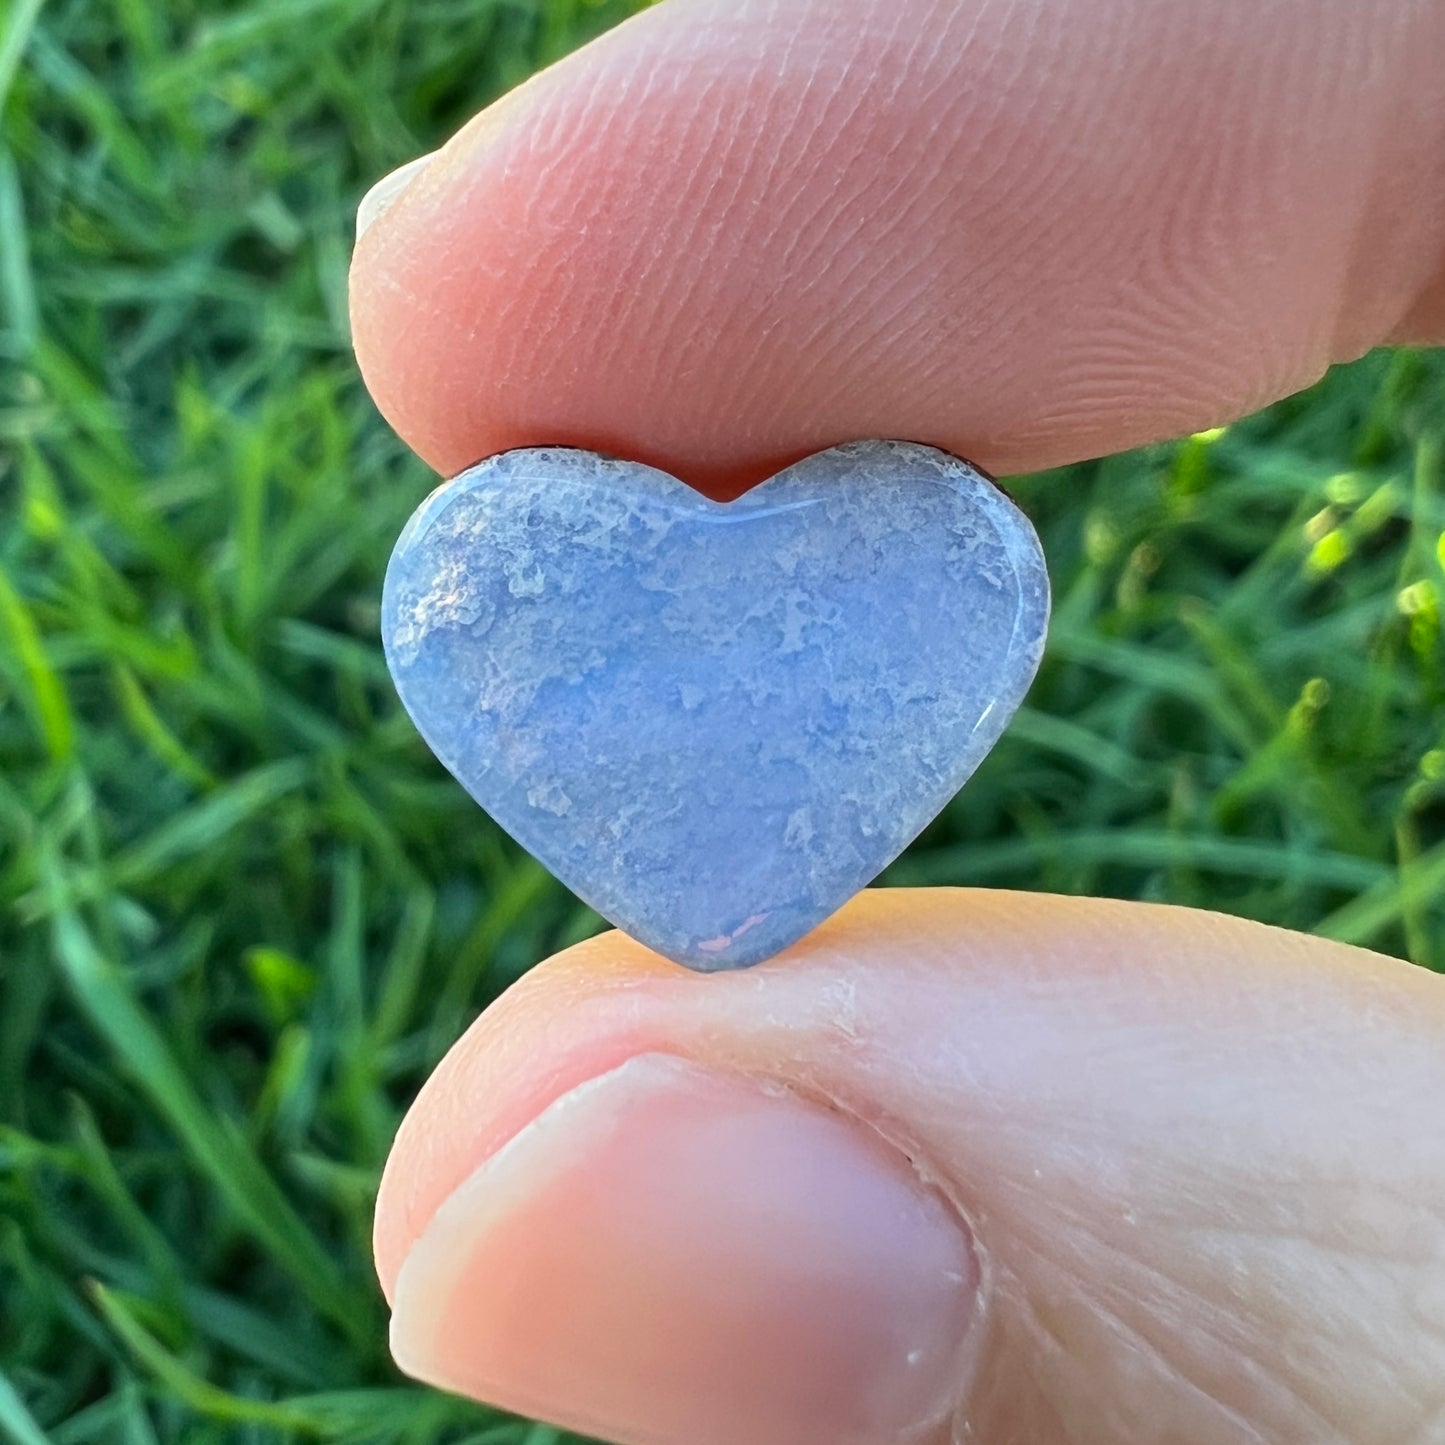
(963,1164)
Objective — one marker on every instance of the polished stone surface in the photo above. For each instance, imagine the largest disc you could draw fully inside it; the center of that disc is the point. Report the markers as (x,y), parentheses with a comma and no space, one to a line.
(715,722)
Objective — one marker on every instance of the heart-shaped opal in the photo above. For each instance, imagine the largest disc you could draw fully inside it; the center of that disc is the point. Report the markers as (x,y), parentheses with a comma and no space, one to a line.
(715,722)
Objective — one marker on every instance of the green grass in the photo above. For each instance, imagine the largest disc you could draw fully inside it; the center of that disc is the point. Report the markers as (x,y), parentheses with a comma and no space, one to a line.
(241,911)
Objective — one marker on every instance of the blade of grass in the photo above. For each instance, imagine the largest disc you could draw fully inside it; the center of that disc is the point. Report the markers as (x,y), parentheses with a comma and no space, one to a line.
(15,32)
(1144,849)
(217,1147)
(17,282)
(1387,902)
(44,691)
(187,1387)
(17,1423)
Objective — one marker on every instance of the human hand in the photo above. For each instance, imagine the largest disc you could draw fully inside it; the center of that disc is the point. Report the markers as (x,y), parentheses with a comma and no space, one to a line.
(1016,1168)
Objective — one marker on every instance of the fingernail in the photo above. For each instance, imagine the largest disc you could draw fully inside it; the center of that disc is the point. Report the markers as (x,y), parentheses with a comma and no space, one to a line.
(674,1256)
(386,191)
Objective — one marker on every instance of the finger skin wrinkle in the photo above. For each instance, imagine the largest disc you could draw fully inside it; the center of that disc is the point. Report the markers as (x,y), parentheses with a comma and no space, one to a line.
(1190,1299)
(1215,1327)
(1082,1348)
(913,295)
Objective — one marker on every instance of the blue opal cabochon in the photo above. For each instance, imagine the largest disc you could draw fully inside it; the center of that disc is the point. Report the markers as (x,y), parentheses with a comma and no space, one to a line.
(715,722)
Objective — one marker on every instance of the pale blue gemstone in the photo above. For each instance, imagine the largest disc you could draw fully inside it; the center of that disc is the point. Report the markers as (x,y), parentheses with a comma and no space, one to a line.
(715,723)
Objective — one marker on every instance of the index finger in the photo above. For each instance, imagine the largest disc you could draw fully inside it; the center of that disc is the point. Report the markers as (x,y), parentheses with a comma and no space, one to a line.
(736,231)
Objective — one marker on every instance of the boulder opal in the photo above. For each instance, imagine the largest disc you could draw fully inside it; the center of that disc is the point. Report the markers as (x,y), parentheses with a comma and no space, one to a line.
(715,722)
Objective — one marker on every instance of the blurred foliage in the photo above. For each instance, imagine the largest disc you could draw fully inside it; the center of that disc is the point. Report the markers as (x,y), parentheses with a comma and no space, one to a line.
(241,910)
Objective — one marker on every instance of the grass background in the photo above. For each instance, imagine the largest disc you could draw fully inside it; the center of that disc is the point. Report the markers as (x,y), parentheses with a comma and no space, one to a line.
(242,912)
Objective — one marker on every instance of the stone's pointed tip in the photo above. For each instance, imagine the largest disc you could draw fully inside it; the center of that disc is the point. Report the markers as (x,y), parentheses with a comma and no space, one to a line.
(716,735)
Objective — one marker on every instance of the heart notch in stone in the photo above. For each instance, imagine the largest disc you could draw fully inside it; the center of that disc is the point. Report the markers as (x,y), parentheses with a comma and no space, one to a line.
(715,722)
